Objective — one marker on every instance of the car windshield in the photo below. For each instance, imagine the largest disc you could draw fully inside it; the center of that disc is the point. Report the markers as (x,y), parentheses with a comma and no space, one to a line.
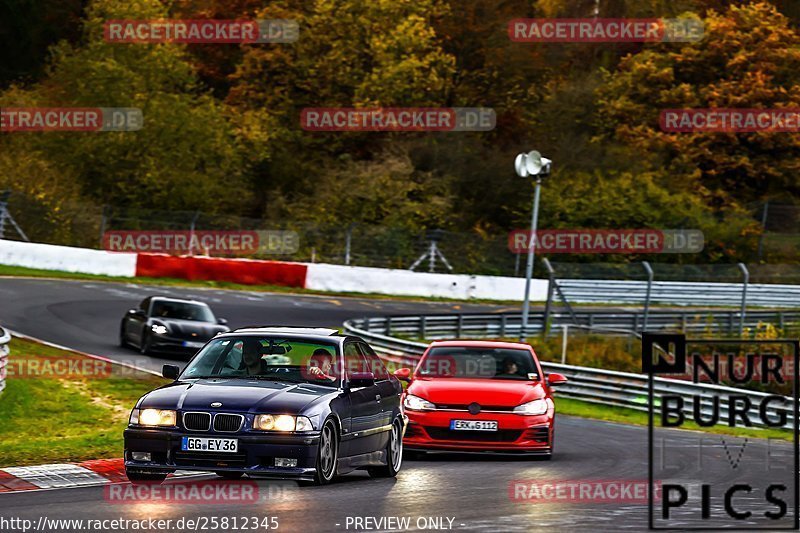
(269,358)
(182,311)
(478,363)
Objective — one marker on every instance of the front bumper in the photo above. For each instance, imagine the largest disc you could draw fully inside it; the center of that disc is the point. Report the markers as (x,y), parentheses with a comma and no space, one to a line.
(430,431)
(256,453)
(167,344)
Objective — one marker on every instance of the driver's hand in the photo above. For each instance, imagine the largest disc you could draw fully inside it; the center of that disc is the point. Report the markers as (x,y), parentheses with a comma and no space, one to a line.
(315,371)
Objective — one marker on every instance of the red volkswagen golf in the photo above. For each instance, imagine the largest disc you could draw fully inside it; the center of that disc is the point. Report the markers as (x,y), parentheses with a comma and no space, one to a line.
(480,396)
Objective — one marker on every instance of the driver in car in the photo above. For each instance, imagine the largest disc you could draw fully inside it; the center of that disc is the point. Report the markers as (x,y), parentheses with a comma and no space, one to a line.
(252,362)
(320,364)
(510,369)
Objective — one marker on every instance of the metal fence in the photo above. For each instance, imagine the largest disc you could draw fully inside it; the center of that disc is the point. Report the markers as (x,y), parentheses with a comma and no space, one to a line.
(593,385)
(82,224)
(506,325)
(5,339)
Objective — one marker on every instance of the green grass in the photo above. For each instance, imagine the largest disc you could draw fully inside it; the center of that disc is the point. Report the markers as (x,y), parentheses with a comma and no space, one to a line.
(568,406)
(64,419)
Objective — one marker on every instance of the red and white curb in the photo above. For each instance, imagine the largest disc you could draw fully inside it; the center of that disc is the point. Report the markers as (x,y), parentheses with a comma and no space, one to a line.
(66,475)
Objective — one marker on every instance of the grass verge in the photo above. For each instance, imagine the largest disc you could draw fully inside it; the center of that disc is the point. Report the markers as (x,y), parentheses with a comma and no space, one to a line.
(47,416)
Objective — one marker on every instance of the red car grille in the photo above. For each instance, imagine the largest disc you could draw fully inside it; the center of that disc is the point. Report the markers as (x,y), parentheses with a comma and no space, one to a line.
(503,435)
(413,431)
(465,407)
(539,434)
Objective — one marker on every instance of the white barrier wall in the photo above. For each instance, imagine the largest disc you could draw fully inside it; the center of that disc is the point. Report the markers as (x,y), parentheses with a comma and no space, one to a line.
(67,259)
(511,289)
(319,277)
(340,278)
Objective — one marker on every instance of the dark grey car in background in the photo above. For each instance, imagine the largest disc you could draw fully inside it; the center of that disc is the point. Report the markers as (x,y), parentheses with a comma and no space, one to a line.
(169,325)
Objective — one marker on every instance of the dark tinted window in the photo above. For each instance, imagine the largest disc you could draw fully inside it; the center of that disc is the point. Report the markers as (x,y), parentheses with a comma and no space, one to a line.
(270,358)
(478,363)
(182,311)
(375,364)
(353,359)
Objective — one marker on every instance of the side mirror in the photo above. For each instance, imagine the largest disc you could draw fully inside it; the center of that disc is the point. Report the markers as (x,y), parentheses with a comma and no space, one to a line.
(222,321)
(361,379)
(556,379)
(170,372)
(135,312)
(403,374)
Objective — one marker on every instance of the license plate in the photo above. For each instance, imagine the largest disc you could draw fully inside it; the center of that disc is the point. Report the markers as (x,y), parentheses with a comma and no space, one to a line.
(197,444)
(473,425)
(193,344)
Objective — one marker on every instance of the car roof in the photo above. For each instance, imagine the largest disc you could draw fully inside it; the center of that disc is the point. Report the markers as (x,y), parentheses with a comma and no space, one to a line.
(295,330)
(484,344)
(177,300)
(290,331)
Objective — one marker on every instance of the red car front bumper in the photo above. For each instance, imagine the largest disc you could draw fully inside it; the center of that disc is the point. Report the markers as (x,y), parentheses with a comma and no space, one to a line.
(430,430)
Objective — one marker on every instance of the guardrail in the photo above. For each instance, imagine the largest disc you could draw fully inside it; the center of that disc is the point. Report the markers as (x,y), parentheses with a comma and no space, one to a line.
(5,338)
(678,293)
(593,385)
(502,325)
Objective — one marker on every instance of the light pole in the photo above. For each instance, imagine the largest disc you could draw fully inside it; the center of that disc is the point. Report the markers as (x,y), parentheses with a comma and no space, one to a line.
(531,164)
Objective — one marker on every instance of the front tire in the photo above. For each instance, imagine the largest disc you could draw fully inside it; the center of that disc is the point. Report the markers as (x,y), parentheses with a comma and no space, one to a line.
(144,477)
(145,347)
(123,341)
(394,453)
(327,454)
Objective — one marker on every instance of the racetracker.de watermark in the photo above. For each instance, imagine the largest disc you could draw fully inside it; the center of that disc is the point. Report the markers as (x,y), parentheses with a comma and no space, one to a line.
(612,30)
(611,241)
(398,119)
(730,120)
(579,491)
(202,31)
(14,119)
(185,242)
(199,492)
(71,367)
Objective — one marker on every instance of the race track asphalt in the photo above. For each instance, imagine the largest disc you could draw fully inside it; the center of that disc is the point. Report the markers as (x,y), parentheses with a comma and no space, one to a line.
(478,493)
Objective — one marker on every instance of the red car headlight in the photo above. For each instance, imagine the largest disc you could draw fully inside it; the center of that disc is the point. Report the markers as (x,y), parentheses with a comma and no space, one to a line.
(415,403)
(536,407)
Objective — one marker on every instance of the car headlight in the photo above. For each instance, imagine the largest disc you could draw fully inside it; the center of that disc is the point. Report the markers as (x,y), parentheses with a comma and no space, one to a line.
(282,423)
(155,417)
(134,419)
(159,329)
(536,407)
(415,403)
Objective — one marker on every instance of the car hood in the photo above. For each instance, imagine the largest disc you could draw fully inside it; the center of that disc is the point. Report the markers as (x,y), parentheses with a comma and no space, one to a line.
(191,329)
(492,392)
(238,395)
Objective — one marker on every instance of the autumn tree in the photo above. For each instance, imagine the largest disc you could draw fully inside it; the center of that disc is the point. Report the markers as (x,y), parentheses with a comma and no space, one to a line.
(749,58)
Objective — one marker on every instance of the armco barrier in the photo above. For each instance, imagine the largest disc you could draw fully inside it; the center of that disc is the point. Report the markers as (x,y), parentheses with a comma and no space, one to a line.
(502,325)
(594,385)
(678,293)
(244,271)
(5,338)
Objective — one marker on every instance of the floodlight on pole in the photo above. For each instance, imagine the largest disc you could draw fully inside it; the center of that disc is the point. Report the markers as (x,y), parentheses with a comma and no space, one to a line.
(531,164)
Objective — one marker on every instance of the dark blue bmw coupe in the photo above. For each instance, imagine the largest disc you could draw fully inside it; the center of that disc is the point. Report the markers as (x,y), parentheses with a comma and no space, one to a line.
(301,403)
